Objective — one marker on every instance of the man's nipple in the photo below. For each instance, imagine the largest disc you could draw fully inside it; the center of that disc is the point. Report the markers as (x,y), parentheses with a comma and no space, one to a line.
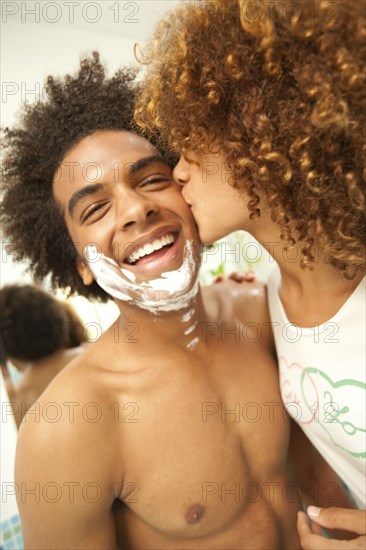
(194,513)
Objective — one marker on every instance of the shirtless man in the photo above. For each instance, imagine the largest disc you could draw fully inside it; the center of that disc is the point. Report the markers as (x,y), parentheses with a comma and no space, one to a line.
(168,433)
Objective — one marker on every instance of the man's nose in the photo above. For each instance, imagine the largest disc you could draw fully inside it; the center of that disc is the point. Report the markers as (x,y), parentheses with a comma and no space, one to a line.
(181,172)
(134,209)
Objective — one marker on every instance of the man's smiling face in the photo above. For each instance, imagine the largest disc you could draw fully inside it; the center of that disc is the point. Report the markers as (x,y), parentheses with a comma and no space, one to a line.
(117,193)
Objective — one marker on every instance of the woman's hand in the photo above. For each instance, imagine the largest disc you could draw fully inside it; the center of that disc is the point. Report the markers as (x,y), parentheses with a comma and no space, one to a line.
(346,519)
(238,277)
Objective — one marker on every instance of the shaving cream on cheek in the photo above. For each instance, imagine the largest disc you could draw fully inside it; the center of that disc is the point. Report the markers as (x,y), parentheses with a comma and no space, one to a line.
(172,291)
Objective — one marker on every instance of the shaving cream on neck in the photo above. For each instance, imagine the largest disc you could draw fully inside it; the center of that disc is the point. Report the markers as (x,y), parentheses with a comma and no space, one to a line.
(172,291)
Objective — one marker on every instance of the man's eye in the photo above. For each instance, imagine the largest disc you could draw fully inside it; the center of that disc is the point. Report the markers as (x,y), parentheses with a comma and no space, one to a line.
(163,180)
(91,210)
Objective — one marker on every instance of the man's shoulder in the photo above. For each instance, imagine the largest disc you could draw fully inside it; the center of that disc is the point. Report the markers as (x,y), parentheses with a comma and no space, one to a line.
(71,409)
(245,301)
(68,455)
(70,420)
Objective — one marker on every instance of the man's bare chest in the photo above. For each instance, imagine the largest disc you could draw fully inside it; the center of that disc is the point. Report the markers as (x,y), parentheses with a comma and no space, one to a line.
(200,449)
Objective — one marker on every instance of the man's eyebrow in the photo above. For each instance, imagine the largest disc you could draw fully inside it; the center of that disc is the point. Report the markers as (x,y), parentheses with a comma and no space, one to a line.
(140,164)
(81,193)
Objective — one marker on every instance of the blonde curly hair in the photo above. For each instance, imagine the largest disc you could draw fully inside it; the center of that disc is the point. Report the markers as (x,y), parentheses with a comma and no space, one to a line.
(279,89)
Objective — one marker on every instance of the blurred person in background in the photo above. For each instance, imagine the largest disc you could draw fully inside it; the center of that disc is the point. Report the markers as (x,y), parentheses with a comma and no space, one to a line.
(39,335)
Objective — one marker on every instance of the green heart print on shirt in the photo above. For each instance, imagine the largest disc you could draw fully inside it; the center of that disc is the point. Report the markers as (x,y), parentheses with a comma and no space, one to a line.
(341,409)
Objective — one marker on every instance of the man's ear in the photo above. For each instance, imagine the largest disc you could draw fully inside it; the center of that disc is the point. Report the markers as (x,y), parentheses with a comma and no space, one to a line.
(84,272)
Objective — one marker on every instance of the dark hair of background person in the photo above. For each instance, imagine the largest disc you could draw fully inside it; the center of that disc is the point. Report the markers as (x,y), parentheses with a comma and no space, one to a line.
(34,324)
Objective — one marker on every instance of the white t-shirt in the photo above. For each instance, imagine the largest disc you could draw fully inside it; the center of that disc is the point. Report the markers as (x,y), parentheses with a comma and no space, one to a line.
(323,382)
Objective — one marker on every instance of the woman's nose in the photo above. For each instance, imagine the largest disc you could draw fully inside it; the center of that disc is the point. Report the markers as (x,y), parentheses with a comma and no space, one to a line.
(182,171)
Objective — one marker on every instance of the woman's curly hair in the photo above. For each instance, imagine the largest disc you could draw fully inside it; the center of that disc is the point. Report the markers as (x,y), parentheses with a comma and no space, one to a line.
(74,107)
(279,88)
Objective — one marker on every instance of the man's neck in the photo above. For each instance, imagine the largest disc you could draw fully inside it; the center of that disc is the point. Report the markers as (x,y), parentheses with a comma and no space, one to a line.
(180,328)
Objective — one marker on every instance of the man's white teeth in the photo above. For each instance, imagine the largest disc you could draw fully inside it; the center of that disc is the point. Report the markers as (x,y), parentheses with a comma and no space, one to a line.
(151,247)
